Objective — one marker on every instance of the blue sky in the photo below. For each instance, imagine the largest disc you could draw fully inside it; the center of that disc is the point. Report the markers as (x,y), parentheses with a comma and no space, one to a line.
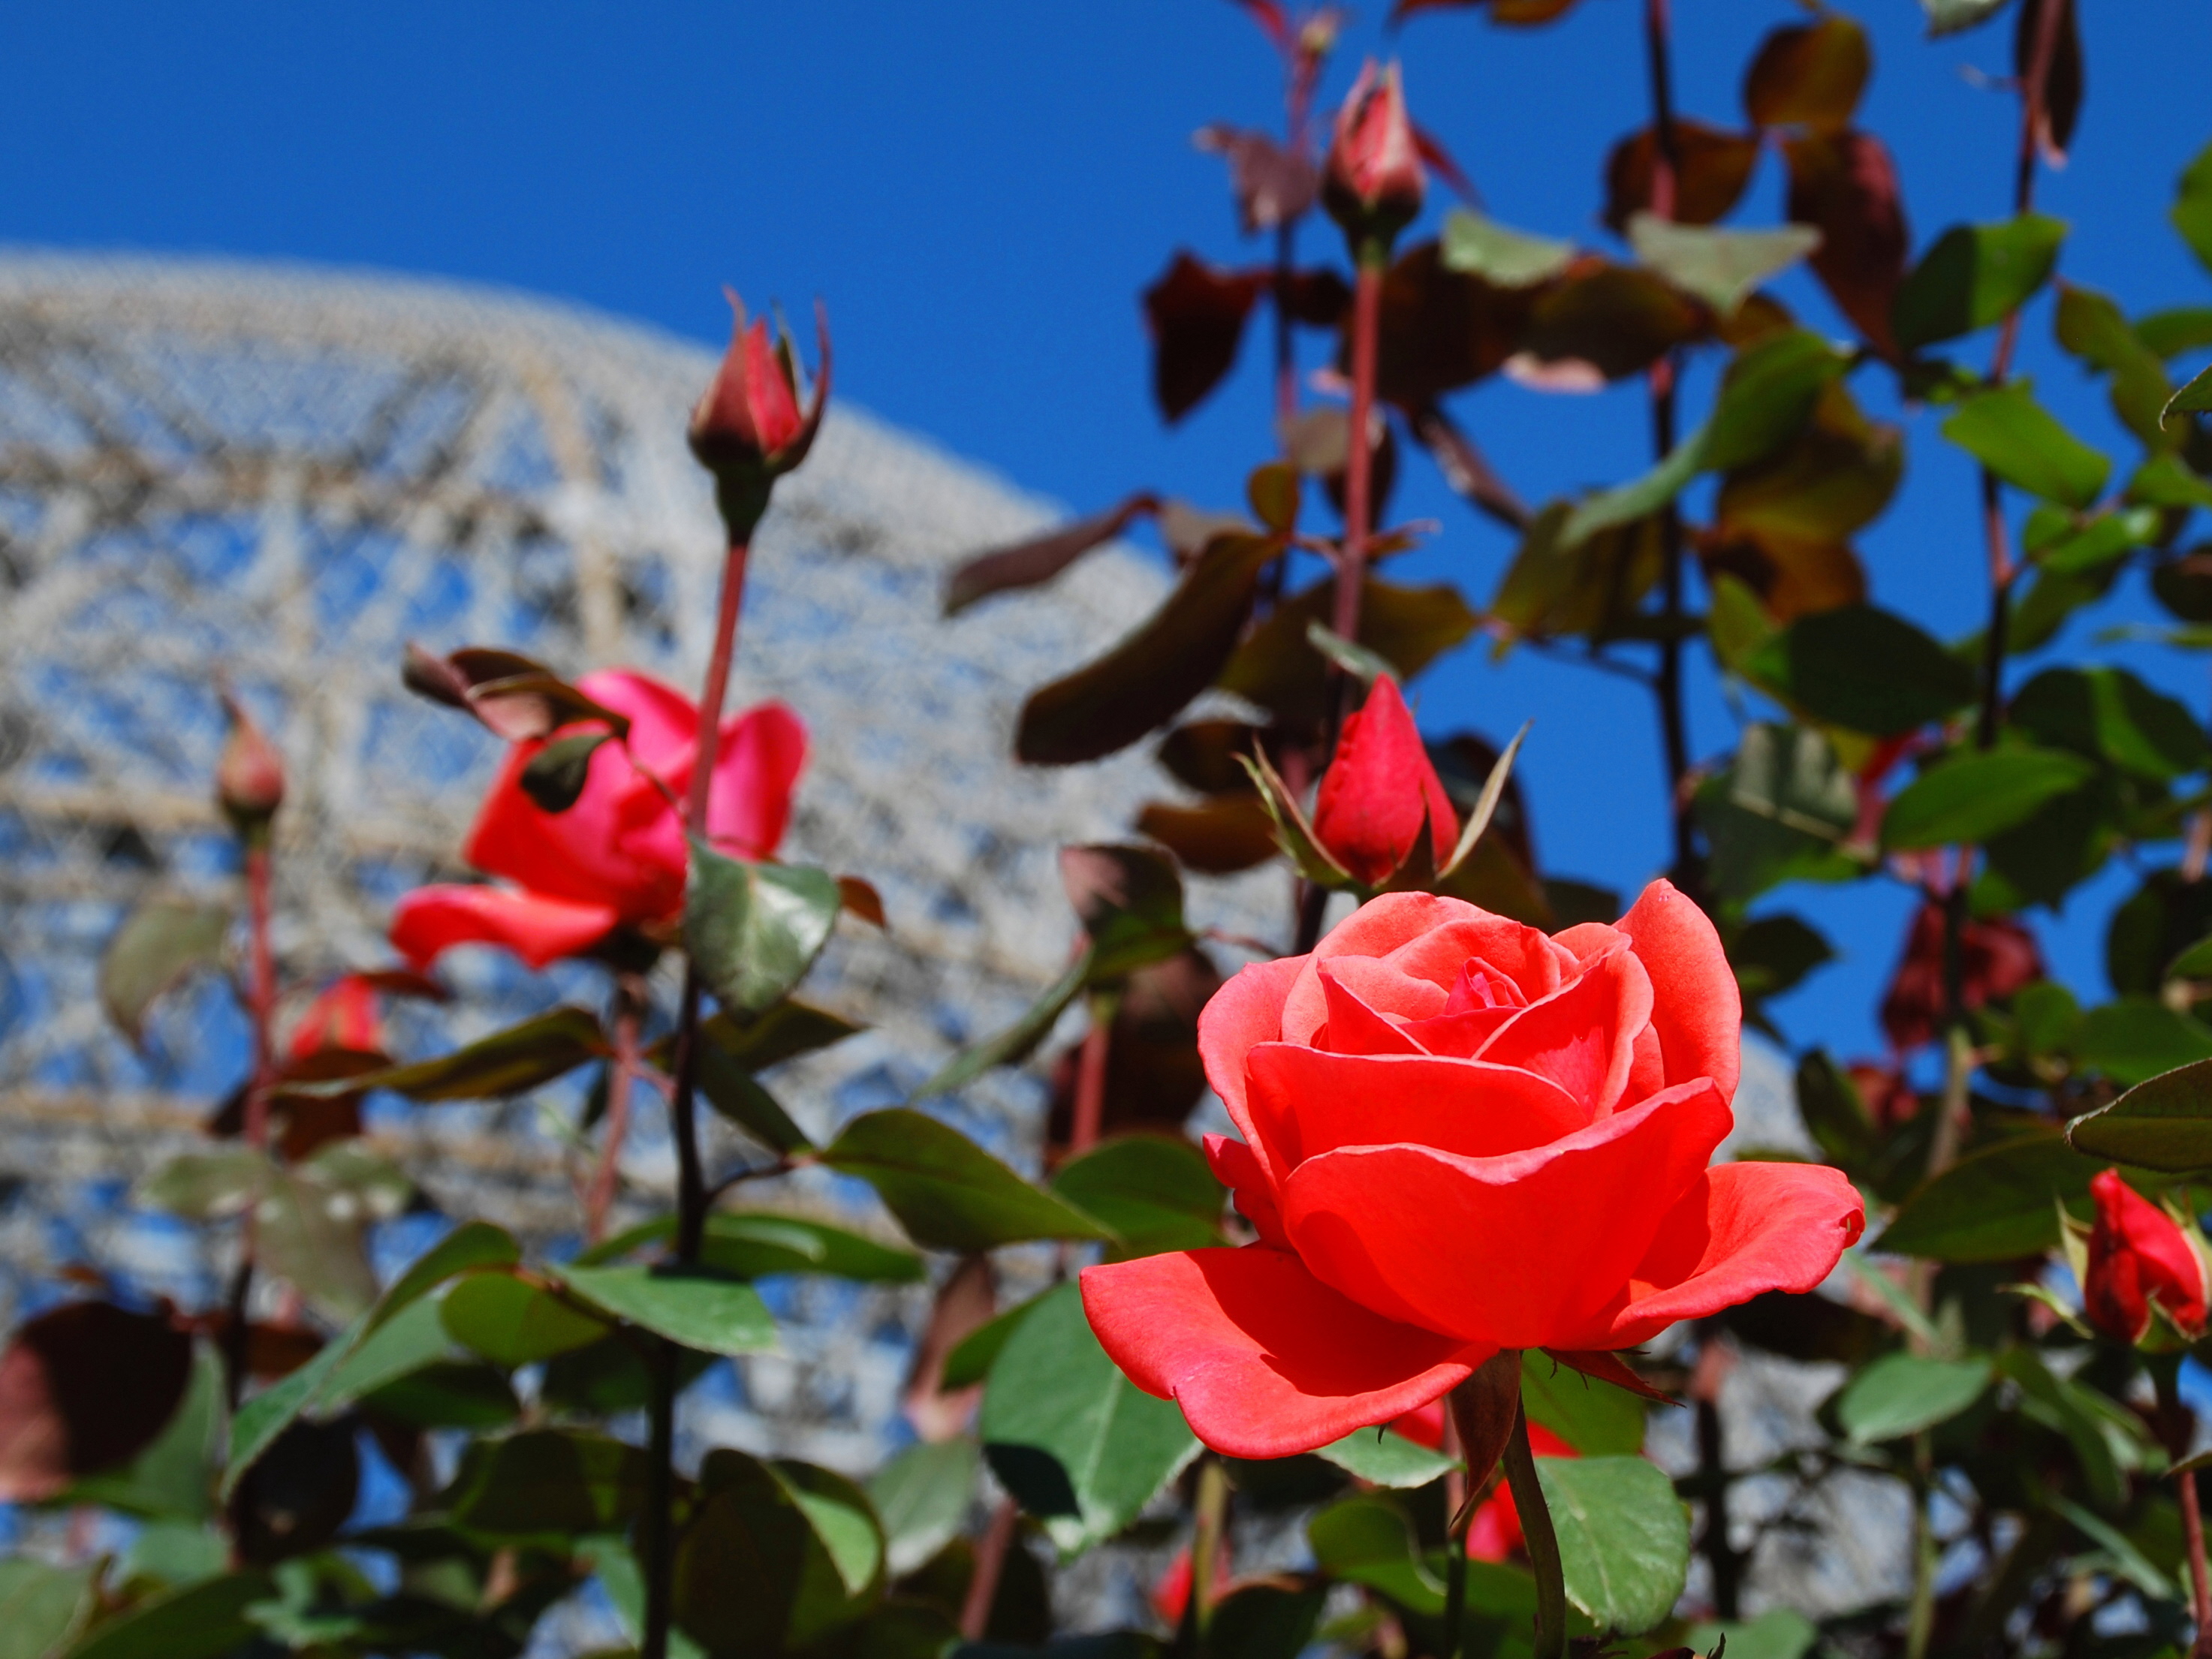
(979,189)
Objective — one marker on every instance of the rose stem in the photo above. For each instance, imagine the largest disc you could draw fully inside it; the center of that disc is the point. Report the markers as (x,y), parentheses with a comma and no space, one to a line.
(1920,1620)
(2003,572)
(690,1179)
(1358,456)
(1666,682)
(2175,1426)
(629,1001)
(261,1013)
(983,1582)
(1210,1525)
(1541,1541)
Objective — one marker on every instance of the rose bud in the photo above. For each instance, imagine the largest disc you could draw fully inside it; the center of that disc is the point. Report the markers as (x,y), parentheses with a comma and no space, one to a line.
(746,428)
(1372,182)
(249,777)
(1380,790)
(2139,1257)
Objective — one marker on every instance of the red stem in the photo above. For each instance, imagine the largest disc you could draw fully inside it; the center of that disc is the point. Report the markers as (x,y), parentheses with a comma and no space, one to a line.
(620,1073)
(261,998)
(1359,460)
(983,1582)
(1090,1087)
(2192,1533)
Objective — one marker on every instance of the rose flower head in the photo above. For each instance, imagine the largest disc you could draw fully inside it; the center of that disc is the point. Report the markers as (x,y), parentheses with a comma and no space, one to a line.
(747,428)
(616,858)
(249,774)
(1372,182)
(2140,1261)
(1381,792)
(1461,1135)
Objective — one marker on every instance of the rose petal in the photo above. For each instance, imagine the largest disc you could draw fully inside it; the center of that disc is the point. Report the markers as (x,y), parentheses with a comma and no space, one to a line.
(1375,929)
(1264,1360)
(594,852)
(1696,1008)
(1307,1102)
(756,766)
(1522,1250)
(1524,956)
(1582,1036)
(1236,1168)
(1246,1011)
(1587,940)
(431,920)
(1746,1228)
(1481,987)
(664,723)
(1359,992)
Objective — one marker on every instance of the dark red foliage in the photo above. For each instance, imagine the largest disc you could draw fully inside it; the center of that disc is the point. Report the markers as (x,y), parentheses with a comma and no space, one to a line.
(1996,959)
(1196,313)
(85,1387)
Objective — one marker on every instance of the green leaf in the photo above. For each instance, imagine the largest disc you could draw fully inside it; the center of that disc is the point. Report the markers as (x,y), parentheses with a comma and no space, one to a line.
(1265,1621)
(2163,1123)
(695,1308)
(1363,664)
(1780,812)
(753,1244)
(1951,16)
(173,1478)
(1994,1204)
(1624,1538)
(2137,1038)
(172,1554)
(1597,1419)
(1771,954)
(512,1321)
(1974,276)
(2059,1404)
(1383,1458)
(315,1238)
(555,776)
(473,1245)
(2092,327)
(1129,899)
(1720,267)
(448,1394)
(2195,398)
(2130,1562)
(157,945)
(1901,1393)
(947,1192)
(753,929)
(1365,1541)
(546,1481)
(973,1356)
(40,1606)
(202,1186)
(1777,1633)
(1017,1040)
(409,1339)
(791,1028)
(2182,328)
(2109,713)
(2009,431)
(1502,257)
(1833,1112)
(201,1621)
(509,1062)
(1079,1445)
(1863,668)
(2192,207)
(1155,1192)
(732,1092)
(2090,547)
(1967,799)
(777,1557)
(922,1496)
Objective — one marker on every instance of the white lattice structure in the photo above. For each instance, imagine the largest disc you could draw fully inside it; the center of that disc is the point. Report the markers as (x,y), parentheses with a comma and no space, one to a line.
(285,474)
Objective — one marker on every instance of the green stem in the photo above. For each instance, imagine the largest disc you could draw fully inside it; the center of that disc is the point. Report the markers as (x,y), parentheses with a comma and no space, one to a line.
(1455,1592)
(1920,1625)
(1542,1542)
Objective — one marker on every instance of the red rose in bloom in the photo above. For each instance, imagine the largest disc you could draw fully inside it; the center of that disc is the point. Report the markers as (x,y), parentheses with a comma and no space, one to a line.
(1998,957)
(616,858)
(1460,1136)
(1379,791)
(2138,1255)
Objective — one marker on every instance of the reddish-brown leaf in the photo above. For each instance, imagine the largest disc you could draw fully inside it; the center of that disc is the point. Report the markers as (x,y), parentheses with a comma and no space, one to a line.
(1318,298)
(1845,185)
(1145,680)
(1153,1077)
(1514,14)
(1203,754)
(1617,320)
(1279,668)
(1196,314)
(1464,466)
(1713,166)
(1440,330)
(1216,837)
(1271,185)
(84,1388)
(1808,74)
(1027,564)
(2064,82)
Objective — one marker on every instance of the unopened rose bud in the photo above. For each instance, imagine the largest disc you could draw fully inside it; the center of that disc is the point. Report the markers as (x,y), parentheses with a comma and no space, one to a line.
(249,777)
(747,428)
(1379,790)
(1373,182)
(2139,1256)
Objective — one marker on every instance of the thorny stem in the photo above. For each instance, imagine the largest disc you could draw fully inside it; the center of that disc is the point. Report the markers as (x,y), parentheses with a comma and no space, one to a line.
(1541,1541)
(1920,1622)
(261,1013)
(1359,455)
(1667,684)
(983,1582)
(657,1530)
(621,1073)
(2175,1427)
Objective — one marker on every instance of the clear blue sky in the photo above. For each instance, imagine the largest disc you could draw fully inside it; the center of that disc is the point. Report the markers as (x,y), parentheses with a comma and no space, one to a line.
(981,188)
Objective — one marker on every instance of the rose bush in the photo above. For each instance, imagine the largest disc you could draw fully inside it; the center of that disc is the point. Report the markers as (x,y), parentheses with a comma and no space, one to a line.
(1462,1135)
(616,858)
